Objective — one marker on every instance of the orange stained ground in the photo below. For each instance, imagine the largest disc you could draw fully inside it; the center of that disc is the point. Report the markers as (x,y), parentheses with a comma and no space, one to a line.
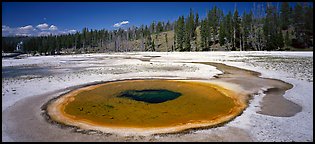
(200,102)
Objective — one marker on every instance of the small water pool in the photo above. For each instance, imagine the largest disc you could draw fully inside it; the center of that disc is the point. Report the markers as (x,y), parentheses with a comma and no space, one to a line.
(150,95)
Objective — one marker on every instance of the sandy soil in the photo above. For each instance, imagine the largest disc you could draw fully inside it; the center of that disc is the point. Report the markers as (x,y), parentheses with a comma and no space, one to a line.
(22,118)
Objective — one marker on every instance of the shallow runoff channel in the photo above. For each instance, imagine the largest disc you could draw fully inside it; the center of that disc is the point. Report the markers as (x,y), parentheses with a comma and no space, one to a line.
(273,104)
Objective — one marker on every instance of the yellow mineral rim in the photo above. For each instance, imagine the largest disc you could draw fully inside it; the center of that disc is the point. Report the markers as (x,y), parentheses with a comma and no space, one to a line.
(107,107)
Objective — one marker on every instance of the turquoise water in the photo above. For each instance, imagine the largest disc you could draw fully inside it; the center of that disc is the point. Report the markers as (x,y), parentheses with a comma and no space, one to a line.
(150,95)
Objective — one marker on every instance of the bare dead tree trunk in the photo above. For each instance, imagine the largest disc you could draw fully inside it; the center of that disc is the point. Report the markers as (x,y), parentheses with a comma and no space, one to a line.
(127,45)
(142,44)
(166,41)
(234,36)
(240,42)
(243,42)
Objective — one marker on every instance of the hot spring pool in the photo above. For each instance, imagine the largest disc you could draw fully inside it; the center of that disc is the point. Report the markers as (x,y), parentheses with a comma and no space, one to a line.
(157,106)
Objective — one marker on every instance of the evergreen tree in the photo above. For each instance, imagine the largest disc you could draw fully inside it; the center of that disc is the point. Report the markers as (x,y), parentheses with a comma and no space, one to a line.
(272,29)
(166,41)
(168,26)
(291,16)
(308,26)
(280,42)
(228,29)
(287,39)
(215,23)
(180,32)
(152,27)
(85,37)
(153,45)
(285,10)
(148,45)
(222,34)
(159,27)
(187,34)
(196,20)
(236,29)
(203,35)
(269,29)
(246,28)
(190,26)
(77,40)
(298,20)
(209,25)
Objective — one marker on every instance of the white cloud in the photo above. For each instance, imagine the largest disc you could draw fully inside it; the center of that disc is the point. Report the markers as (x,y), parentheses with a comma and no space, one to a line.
(23,31)
(67,31)
(120,23)
(53,28)
(43,26)
(40,30)
(5,28)
(72,31)
(26,28)
(23,34)
(44,33)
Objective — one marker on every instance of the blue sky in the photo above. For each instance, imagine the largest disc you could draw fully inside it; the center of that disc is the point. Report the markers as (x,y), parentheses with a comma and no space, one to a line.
(33,18)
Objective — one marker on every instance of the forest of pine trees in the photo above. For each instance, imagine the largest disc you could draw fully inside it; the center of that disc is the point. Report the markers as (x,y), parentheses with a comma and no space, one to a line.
(263,28)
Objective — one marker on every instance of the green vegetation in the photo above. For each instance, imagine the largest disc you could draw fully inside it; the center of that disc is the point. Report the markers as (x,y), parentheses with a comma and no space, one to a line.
(263,28)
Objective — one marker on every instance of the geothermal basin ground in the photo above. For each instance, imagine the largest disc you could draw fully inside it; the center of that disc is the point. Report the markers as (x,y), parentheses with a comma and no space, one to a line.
(271,114)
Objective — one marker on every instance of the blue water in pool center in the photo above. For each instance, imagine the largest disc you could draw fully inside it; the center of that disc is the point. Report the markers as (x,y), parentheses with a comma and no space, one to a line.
(150,95)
